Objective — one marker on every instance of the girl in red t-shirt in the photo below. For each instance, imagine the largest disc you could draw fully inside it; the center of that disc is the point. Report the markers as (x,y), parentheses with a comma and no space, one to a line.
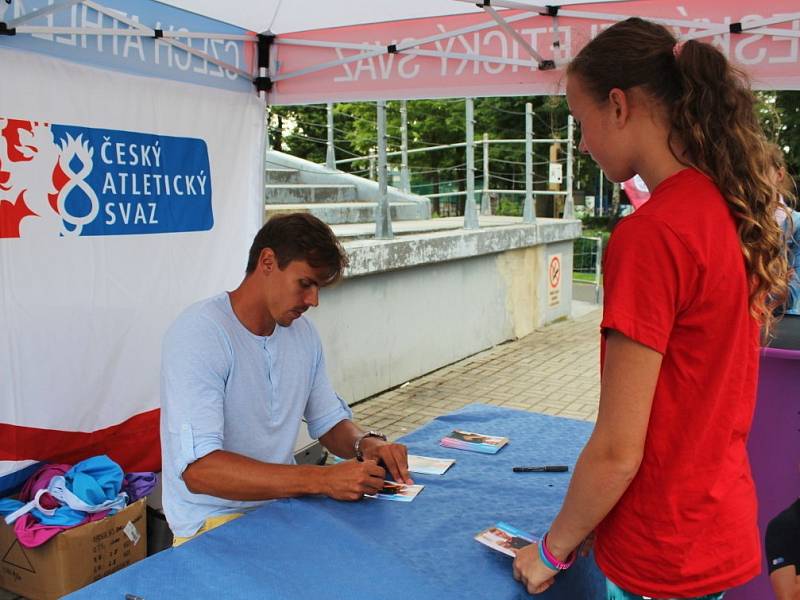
(691,279)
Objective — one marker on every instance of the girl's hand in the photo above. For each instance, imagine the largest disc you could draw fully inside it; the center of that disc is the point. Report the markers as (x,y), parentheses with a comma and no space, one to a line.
(587,545)
(528,569)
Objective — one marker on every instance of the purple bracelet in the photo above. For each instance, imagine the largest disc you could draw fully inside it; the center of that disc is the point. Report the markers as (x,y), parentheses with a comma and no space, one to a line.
(561,566)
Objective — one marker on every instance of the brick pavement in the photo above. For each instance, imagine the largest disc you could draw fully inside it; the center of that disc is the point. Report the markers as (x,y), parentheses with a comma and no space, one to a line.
(554,370)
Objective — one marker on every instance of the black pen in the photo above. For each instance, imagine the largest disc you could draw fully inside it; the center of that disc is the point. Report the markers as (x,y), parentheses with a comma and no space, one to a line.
(542,469)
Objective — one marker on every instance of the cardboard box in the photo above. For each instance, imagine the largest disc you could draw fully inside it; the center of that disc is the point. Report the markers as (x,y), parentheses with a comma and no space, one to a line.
(75,557)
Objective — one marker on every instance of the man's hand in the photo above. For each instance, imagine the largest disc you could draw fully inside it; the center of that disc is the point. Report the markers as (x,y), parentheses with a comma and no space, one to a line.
(351,479)
(393,456)
(529,569)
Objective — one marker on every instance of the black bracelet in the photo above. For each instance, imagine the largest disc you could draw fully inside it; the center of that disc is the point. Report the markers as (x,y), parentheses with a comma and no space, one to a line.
(359,439)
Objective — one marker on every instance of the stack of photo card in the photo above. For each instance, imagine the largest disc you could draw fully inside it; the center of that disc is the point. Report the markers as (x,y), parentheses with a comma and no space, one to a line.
(426,465)
(474,442)
(399,492)
(505,538)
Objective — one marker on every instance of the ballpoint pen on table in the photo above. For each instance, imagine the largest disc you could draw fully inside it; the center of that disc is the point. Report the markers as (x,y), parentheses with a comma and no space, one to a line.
(542,469)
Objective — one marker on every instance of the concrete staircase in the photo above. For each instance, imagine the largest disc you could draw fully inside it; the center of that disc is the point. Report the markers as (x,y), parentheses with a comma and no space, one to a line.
(295,185)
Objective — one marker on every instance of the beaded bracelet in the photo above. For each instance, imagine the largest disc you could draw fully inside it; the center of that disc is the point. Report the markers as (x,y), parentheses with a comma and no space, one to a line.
(550,561)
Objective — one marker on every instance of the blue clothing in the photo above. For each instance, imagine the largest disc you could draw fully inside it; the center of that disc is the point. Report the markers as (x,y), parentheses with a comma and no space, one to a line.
(93,485)
(223,387)
(792,228)
(614,592)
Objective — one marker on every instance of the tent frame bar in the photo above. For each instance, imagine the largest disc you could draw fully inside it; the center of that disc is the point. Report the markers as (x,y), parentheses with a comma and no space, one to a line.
(750,26)
(381,49)
(42,12)
(755,26)
(407,48)
(762,26)
(505,26)
(38,29)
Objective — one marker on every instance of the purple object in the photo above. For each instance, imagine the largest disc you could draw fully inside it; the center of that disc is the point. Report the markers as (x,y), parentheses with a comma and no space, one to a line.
(774,448)
(138,484)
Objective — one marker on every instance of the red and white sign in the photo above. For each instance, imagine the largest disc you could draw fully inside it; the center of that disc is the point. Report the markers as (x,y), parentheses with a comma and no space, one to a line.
(554,276)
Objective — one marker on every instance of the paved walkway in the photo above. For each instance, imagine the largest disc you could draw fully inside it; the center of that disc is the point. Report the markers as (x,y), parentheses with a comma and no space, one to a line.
(555,370)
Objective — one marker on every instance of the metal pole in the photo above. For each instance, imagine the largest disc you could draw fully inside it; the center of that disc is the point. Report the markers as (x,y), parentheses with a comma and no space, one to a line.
(330,156)
(598,209)
(569,205)
(267,141)
(405,181)
(486,201)
(528,212)
(597,269)
(470,208)
(383,218)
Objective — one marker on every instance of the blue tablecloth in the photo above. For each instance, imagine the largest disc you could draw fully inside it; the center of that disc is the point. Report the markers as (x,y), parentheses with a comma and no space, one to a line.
(320,548)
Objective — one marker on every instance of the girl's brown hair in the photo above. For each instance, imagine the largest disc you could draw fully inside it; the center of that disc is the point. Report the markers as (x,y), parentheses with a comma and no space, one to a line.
(712,114)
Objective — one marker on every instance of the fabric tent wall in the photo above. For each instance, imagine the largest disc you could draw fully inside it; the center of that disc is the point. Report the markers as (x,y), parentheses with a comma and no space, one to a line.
(474,55)
(104,239)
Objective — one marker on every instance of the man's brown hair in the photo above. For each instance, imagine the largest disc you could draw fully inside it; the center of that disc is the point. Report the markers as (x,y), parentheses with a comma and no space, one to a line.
(300,236)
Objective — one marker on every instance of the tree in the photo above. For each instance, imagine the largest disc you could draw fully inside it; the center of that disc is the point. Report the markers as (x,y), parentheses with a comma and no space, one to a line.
(787,104)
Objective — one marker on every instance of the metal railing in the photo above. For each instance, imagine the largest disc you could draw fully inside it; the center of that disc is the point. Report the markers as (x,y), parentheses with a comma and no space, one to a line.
(587,263)
(378,162)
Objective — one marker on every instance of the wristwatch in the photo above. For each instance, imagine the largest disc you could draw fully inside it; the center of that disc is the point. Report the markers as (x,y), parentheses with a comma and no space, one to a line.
(359,439)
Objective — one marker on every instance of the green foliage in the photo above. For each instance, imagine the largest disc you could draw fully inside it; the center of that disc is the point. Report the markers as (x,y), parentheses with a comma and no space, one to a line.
(509,208)
(592,223)
(302,131)
(787,105)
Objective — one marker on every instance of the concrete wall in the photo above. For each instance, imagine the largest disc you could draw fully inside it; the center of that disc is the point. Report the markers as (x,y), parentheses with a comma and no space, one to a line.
(384,328)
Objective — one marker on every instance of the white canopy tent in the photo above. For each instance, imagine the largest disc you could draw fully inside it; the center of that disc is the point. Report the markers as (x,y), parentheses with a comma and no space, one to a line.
(146,72)
(331,50)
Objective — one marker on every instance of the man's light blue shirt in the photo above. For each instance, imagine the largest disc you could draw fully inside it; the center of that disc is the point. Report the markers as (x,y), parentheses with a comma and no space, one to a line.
(225,388)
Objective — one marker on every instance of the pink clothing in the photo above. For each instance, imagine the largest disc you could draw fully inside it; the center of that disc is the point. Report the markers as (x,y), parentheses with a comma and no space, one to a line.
(31,533)
(40,480)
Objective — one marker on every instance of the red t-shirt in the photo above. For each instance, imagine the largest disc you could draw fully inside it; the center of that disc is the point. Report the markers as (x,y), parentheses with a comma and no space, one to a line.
(675,281)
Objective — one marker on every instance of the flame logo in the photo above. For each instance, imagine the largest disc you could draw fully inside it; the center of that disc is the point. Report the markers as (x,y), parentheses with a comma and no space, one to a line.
(72,148)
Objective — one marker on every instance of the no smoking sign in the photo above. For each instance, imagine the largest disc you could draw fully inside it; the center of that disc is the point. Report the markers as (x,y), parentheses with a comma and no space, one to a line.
(554,280)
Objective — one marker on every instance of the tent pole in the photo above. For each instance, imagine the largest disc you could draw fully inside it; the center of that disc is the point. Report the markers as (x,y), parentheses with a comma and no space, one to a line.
(470,209)
(528,213)
(383,217)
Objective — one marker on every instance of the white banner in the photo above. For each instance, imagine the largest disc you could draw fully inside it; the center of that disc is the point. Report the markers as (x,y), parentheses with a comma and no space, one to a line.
(123,199)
